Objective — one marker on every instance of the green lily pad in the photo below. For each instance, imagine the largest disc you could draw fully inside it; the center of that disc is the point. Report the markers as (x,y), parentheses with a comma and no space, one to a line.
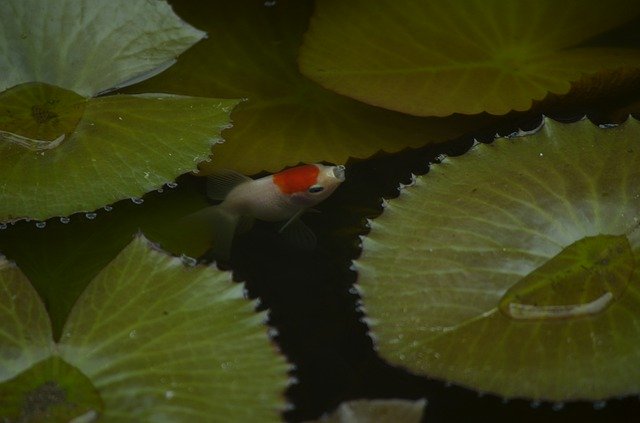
(582,279)
(89,46)
(97,151)
(183,339)
(251,52)
(51,390)
(61,259)
(438,58)
(382,411)
(513,268)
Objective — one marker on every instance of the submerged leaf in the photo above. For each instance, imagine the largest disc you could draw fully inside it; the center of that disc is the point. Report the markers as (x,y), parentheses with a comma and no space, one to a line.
(437,58)
(183,339)
(107,148)
(251,52)
(377,411)
(513,269)
(89,46)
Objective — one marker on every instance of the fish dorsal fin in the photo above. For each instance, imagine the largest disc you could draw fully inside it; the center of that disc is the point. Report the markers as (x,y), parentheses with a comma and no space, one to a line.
(221,182)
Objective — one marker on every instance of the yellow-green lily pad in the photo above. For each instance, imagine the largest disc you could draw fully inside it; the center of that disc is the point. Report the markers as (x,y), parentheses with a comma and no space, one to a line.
(251,53)
(513,269)
(63,257)
(50,391)
(436,58)
(97,151)
(184,339)
(89,46)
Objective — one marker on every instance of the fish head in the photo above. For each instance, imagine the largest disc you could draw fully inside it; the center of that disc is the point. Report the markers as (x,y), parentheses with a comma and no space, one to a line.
(308,185)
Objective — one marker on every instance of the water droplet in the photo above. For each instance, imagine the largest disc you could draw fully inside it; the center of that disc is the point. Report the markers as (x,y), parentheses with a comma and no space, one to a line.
(133,334)
(172,184)
(90,216)
(41,225)
(225,365)
(541,154)
(557,406)
(108,208)
(160,190)
(119,117)
(3,226)
(535,404)
(137,200)
(169,394)
(65,220)
(188,261)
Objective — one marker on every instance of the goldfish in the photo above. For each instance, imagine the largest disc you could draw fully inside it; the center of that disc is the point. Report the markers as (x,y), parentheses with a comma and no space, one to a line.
(280,197)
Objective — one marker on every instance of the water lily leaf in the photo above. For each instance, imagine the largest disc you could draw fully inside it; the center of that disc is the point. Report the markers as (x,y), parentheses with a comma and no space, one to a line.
(61,259)
(513,269)
(183,339)
(24,326)
(382,410)
(98,45)
(51,390)
(251,52)
(97,151)
(439,58)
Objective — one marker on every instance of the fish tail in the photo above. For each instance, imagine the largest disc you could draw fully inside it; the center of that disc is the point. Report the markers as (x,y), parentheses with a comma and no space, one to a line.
(219,223)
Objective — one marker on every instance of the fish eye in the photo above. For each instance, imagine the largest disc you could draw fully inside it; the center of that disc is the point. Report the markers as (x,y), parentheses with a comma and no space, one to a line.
(316,189)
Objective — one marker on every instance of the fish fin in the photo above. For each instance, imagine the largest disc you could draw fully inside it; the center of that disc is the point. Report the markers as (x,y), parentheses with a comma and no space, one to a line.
(299,235)
(219,223)
(245,223)
(221,182)
(291,219)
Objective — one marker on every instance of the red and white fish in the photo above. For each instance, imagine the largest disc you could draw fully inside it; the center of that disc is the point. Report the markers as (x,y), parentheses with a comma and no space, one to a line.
(283,196)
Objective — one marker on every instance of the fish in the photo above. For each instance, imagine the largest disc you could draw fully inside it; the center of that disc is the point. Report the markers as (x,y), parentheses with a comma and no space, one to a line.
(280,197)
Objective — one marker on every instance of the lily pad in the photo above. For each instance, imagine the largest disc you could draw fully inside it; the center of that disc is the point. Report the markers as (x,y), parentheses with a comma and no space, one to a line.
(437,58)
(51,390)
(513,269)
(89,46)
(97,151)
(182,338)
(251,52)
(61,259)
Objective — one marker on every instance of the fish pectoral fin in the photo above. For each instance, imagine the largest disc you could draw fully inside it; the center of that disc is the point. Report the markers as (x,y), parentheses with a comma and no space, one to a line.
(299,235)
(245,223)
(222,181)
(291,219)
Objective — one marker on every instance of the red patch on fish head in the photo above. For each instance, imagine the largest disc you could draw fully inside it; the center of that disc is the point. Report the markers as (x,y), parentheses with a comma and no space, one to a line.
(296,179)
